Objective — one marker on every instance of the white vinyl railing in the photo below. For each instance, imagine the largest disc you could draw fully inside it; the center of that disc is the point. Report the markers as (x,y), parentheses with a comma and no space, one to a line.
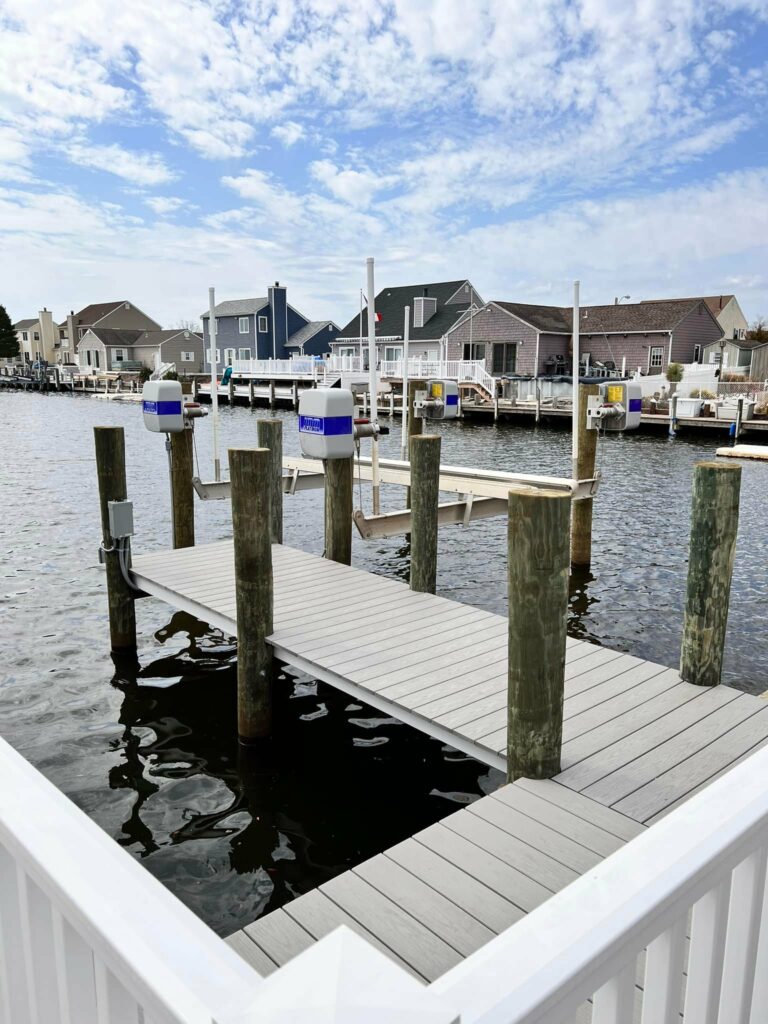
(87,935)
(671,927)
(450,369)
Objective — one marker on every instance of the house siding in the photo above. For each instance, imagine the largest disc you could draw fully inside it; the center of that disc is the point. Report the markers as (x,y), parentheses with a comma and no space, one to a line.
(494,325)
(320,342)
(697,328)
(92,345)
(171,353)
(731,319)
(634,347)
(278,304)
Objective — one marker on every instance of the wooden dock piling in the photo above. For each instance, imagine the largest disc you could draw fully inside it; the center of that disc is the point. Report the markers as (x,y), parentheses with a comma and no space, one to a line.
(538,606)
(250,470)
(581,513)
(425,491)
(339,477)
(183,495)
(714,524)
(110,467)
(269,434)
(415,423)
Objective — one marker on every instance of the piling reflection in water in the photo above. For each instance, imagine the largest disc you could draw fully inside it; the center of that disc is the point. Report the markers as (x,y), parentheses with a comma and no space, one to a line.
(237,832)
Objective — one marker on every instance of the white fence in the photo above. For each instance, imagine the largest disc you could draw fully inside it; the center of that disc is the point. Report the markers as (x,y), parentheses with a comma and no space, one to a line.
(675,922)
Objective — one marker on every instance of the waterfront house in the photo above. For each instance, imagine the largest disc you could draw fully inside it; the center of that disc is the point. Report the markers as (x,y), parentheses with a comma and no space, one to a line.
(725,309)
(41,338)
(120,315)
(126,349)
(746,357)
(266,328)
(436,308)
(522,338)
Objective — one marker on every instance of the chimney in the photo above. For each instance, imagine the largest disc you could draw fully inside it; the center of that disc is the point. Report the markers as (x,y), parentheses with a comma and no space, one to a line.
(721,302)
(616,301)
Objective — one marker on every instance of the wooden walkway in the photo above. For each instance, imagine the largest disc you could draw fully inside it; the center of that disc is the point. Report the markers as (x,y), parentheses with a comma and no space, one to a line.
(637,742)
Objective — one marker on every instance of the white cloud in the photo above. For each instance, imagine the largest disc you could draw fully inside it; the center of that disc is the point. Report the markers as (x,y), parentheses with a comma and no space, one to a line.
(289,133)
(139,168)
(164,206)
(356,187)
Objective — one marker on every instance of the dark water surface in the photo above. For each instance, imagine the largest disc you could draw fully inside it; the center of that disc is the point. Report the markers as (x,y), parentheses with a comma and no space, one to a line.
(152,754)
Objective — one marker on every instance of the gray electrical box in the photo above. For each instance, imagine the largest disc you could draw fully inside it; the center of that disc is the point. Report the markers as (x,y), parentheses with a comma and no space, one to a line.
(120,519)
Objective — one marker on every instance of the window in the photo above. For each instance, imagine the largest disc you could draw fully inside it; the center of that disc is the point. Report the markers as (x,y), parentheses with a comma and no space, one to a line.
(208,356)
(697,353)
(36,336)
(96,359)
(474,351)
(656,358)
(25,335)
(504,358)
(229,356)
(244,323)
(244,353)
(187,357)
(118,355)
(392,353)
(263,328)
(88,357)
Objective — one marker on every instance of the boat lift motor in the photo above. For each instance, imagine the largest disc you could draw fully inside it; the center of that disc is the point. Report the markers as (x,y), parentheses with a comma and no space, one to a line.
(440,400)
(616,407)
(164,408)
(327,425)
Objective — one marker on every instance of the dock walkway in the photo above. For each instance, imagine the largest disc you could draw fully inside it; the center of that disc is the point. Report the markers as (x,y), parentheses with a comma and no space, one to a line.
(636,742)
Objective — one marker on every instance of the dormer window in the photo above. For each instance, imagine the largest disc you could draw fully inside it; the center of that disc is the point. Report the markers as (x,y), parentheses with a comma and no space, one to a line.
(424,308)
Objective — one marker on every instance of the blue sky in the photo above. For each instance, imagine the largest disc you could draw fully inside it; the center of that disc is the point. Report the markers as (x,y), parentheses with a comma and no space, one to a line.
(150,150)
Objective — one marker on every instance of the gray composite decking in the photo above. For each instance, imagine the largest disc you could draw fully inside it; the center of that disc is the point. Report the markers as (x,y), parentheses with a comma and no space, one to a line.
(637,741)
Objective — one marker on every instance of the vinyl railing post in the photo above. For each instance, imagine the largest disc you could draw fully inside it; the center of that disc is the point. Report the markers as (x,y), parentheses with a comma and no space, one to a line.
(339,478)
(714,524)
(415,423)
(425,489)
(110,468)
(269,434)
(183,495)
(581,514)
(250,473)
(538,555)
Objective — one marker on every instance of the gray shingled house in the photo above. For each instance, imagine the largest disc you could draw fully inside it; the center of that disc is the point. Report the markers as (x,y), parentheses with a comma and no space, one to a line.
(436,308)
(115,349)
(520,338)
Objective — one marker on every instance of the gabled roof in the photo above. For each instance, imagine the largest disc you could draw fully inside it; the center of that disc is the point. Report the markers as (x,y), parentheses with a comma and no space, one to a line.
(391,302)
(237,307)
(308,331)
(115,336)
(742,343)
(631,318)
(715,303)
(92,314)
(24,325)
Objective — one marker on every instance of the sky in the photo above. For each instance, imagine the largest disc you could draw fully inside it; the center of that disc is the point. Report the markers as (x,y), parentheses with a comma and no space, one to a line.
(149,150)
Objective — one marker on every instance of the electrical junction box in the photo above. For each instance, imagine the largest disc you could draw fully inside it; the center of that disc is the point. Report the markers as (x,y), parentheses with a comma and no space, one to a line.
(440,401)
(326,423)
(617,407)
(162,406)
(120,519)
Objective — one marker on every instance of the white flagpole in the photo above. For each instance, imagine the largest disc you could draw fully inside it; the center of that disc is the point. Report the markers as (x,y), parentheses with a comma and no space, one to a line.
(214,382)
(373,384)
(575,403)
(404,411)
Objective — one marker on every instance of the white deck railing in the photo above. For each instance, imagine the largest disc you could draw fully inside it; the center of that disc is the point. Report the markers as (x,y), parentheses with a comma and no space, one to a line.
(449,369)
(88,936)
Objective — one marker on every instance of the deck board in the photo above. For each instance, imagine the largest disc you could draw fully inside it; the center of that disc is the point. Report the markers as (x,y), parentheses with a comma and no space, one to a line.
(637,741)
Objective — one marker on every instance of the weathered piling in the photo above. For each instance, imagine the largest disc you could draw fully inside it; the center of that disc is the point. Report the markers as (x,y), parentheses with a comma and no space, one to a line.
(182,491)
(269,434)
(110,468)
(231,391)
(339,477)
(251,395)
(538,553)
(425,489)
(714,524)
(581,513)
(271,394)
(250,473)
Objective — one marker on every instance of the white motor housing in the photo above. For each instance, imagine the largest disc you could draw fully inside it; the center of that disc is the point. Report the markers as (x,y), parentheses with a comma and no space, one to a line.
(617,407)
(440,401)
(326,423)
(163,406)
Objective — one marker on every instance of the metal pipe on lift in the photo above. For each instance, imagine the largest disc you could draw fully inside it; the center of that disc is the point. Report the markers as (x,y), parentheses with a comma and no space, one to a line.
(374,412)
(404,409)
(575,383)
(214,382)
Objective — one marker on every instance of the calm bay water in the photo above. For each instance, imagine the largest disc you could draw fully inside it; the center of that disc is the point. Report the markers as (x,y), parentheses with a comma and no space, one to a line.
(150,752)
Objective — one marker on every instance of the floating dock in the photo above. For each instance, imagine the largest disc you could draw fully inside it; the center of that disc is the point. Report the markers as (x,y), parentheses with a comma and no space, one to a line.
(637,741)
(745,451)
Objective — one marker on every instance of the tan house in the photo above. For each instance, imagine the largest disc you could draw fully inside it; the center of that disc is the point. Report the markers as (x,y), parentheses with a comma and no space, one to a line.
(112,315)
(725,309)
(41,339)
(111,349)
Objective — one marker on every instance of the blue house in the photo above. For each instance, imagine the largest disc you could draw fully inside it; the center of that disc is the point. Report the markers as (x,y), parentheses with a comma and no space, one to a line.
(266,328)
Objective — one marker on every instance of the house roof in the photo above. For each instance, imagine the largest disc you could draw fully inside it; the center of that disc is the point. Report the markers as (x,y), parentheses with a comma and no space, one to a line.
(390,303)
(743,343)
(127,337)
(96,311)
(715,303)
(23,325)
(636,317)
(237,307)
(308,331)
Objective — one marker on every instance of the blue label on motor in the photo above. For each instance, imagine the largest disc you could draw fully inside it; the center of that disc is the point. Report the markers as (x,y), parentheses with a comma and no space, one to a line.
(325,425)
(635,405)
(452,400)
(161,408)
